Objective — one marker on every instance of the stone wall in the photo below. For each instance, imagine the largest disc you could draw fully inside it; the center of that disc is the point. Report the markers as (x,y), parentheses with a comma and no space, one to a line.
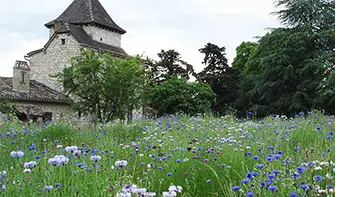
(60,112)
(108,37)
(52,60)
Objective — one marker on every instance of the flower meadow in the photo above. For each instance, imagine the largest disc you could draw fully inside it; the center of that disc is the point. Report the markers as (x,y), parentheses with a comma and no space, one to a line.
(171,156)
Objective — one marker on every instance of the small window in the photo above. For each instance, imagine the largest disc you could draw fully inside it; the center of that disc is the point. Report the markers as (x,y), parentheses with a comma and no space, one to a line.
(101,39)
(63,41)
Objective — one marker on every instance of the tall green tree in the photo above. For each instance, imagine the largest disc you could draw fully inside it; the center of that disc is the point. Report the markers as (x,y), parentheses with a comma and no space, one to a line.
(104,86)
(215,61)
(220,77)
(170,64)
(292,68)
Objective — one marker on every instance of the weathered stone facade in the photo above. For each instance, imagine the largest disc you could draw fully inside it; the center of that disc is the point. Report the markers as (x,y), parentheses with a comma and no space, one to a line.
(53,59)
(60,112)
(103,35)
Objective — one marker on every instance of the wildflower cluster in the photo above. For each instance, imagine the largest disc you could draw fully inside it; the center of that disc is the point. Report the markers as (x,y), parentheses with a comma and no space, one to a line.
(128,190)
(58,160)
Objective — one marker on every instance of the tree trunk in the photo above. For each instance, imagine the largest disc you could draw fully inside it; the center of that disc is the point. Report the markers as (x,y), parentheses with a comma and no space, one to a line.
(129,116)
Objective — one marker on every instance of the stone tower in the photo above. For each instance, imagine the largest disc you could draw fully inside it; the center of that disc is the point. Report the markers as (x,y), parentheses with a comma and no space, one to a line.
(84,24)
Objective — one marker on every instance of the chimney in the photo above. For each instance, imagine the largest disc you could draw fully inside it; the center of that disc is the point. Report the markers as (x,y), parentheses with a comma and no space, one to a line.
(21,76)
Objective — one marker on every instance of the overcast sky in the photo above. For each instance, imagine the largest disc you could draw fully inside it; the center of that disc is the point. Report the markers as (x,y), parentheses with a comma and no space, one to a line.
(151,25)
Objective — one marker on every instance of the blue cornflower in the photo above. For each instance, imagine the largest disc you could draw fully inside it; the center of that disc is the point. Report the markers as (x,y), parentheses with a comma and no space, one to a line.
(272,188)
(301,170)
(169,174)
(318,128)
(293,194)
(304,186)
(208,181)
(250,194)
(331,133)
(318,178)
(30,164)
(251,175)
(37,157)
(245,181)
(48,187)
(185,159)
(262,184)
(256,157)
(32,147)
(295,175)
(271,176)
(178,160)
(276,171)
(58,185)
(259,149)
(269,158)
(286,161)
(236,188)
(121,163)
(80,165)
(3,187)
(95,158)
(16,154)
(259,166)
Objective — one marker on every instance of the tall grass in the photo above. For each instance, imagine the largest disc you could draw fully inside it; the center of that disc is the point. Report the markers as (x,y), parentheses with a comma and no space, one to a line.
(206,156)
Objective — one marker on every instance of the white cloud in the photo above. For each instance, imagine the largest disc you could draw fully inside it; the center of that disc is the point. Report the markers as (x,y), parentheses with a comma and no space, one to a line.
(17,52)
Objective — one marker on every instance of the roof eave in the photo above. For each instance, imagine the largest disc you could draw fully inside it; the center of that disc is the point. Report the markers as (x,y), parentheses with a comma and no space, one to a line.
(105,50)
(28,99)
(35,52)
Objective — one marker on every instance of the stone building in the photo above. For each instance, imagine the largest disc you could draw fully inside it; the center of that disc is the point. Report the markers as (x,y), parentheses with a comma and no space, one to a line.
(84,24)
(32,99)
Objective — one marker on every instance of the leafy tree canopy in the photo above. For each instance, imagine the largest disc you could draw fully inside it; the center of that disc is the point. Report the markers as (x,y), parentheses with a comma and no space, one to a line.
(103,85)
(176,95)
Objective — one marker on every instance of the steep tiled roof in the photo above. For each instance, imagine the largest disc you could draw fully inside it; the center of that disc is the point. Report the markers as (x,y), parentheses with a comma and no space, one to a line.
(38,92)
(87,12)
